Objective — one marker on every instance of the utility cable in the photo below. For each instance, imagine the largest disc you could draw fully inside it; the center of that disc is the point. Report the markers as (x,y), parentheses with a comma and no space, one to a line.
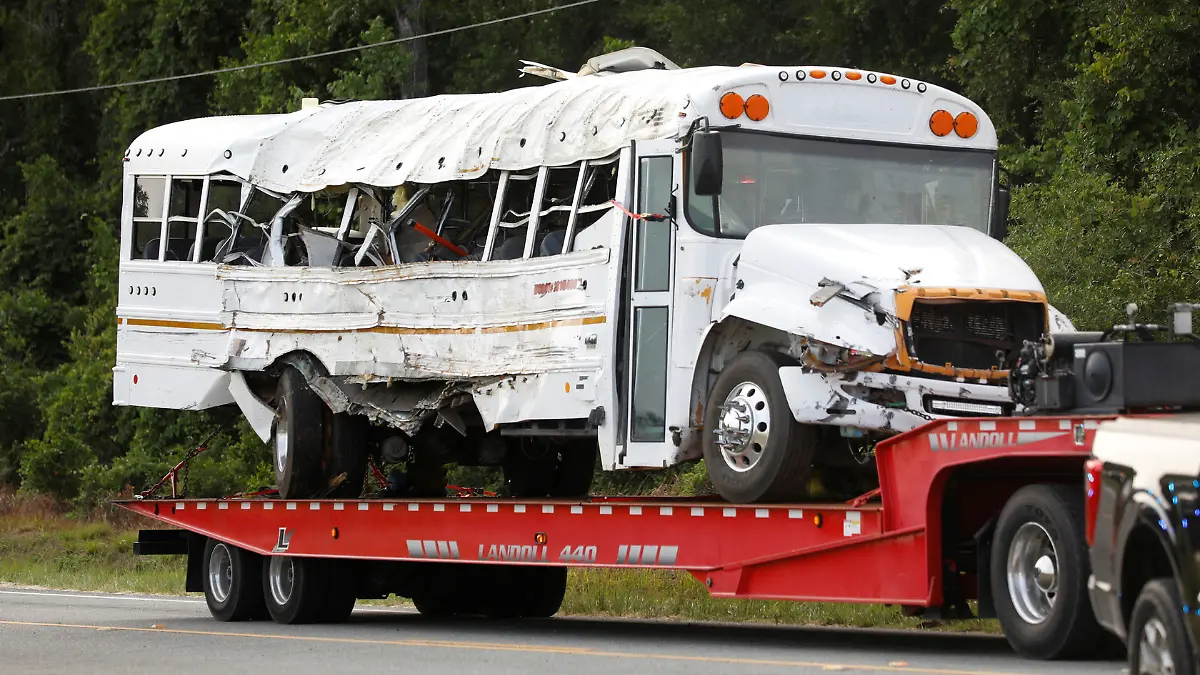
(306,57)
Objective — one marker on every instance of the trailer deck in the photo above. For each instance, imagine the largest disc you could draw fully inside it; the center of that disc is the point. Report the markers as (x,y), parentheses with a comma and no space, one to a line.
(939,486)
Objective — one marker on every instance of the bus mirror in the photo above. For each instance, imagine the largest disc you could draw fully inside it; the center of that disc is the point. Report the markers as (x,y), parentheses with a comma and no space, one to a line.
(999,224)
(707,162)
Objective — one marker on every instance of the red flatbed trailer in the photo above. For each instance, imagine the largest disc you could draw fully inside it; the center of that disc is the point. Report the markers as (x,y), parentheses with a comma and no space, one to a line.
(923,541)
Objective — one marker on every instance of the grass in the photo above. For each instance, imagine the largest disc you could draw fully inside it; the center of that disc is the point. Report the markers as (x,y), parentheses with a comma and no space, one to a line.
(42,546)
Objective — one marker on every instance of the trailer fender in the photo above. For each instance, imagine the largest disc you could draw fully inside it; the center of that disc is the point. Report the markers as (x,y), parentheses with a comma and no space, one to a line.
(260,416)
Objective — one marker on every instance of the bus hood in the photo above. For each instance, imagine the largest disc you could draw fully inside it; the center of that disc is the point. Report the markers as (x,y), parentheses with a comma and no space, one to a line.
(887,256)
(798,278)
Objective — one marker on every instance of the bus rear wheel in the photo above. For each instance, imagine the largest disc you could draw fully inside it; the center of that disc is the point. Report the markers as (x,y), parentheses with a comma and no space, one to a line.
(754,449)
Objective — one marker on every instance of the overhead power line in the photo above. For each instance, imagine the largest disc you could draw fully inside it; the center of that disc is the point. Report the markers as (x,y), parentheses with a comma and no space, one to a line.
(306,57)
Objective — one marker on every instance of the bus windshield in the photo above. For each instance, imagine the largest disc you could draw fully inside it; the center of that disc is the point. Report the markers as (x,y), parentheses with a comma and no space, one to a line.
(773,179)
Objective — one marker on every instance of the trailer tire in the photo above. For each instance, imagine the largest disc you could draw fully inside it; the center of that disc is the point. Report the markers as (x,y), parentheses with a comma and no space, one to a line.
(298,437)
(348,454)
(775,459)
(545,588)
(1039,571)
(231,582)
(340,592)
(294,589)
(1157,630)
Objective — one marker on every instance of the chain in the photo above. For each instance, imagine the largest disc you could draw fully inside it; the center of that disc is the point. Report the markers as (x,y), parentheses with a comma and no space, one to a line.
(919,413)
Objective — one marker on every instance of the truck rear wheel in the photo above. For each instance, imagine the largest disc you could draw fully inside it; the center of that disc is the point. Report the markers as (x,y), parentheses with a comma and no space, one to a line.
(348,455)
(540,591)
(1158,639)
(754,449)
(1039,570)
(294,589)
(231,582)
(299,437)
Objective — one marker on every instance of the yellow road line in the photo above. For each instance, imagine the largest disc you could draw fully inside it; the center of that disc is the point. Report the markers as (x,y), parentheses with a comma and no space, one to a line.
(537,649)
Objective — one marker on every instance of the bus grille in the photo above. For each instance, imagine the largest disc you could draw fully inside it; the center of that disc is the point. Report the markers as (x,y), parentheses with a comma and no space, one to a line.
(980,334)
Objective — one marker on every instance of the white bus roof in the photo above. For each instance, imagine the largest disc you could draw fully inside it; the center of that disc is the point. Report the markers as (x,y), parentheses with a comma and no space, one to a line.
(455,137)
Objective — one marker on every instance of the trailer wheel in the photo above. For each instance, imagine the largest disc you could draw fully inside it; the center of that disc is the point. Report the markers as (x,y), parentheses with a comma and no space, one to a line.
(293,589)
(542,590)
(299,437)
(340,592)
(754,449)
(231,582)
(348,454)
(1039,572)
(1158,639)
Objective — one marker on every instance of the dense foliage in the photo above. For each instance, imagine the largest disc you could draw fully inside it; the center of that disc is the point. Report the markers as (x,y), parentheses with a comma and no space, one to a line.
(1096,101)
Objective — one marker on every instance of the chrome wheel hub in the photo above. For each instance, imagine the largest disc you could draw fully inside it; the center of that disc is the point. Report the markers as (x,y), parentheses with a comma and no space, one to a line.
(220,573)
(1032,573)
(744,426)
(1154,653)
(283,578)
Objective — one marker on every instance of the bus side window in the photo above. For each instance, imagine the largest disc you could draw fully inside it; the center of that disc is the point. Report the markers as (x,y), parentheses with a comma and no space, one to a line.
(149,194)
(598,190)
(182,218)
(517,206)
(224,198)
(557,202)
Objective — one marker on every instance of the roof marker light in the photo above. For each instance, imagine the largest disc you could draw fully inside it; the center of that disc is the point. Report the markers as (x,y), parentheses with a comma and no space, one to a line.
(836,76)
(757,107)
(800,75)
(732,105)
(783,76)
(965,125)
(853,75)
(817,74)
(887,79)
(921,87)
(871,78)
(941,123)
(905,84)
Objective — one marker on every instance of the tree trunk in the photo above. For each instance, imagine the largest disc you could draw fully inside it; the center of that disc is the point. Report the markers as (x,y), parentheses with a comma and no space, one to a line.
(410,21)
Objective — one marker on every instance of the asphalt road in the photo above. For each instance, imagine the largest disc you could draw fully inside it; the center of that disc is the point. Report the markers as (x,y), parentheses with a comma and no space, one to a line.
(64,632)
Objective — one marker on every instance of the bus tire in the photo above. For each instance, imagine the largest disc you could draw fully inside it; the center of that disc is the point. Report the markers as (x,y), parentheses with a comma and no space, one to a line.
(754,449)
(1157,632)
(231,582)
(576,469)
(294,589)
(1039,571)
(298,437)
(348,454)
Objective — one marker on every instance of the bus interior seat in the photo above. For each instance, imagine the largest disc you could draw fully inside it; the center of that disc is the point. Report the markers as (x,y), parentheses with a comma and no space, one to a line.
(552,243)
(177,249)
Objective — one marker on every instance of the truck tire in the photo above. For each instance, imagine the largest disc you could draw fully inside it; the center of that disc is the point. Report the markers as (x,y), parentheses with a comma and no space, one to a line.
(348,455)
(754,449)
(1039,572)
(576,469)
(294,589)
(298,437)
(231,582)
(1158,639)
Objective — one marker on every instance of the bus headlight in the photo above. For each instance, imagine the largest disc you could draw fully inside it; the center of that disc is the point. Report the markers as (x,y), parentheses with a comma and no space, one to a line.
(830,357)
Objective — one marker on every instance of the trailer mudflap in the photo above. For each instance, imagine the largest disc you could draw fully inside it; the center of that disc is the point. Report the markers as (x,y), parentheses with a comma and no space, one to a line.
(176,542)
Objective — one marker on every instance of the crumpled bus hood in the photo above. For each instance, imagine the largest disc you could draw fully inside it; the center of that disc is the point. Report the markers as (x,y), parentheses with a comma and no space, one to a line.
(888,256)
(781,266)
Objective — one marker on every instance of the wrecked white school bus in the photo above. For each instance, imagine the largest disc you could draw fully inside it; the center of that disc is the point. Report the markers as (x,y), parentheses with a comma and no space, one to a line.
(767,267)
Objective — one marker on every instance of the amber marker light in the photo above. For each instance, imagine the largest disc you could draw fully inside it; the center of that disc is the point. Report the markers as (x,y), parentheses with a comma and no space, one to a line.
(757,107)
(817,520)
(334,533)
(941,123)
(816,74)
(853,75)
(965,125)
(732,105)
(887,79)
(540,538)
